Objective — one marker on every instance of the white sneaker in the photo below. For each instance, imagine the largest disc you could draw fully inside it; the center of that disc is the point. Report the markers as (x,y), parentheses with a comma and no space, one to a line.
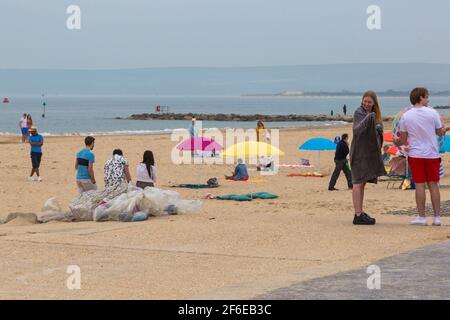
(419,221)
(437,221)
(30,178)
(39,179)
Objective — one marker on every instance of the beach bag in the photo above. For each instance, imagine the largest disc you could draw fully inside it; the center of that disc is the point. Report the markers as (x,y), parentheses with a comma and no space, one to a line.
(212,183)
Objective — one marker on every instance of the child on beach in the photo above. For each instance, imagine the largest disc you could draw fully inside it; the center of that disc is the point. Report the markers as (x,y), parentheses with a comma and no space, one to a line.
(84,164)
(419,126)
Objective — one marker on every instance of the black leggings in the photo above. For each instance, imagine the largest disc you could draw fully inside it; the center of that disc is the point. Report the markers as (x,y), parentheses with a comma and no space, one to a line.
(142,185)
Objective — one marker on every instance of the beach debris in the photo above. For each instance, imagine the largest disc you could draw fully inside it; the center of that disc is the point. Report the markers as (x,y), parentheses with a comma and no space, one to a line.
(124,202)
(20,218)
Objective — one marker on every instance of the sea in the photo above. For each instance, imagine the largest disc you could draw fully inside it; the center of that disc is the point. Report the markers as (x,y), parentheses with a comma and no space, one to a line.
(96,115)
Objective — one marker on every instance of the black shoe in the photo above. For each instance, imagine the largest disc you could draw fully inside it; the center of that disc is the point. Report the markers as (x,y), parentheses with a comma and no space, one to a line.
(363,220)
(369,217)
(333,189)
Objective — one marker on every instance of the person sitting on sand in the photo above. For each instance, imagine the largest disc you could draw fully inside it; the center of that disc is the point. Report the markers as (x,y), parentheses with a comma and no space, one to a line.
(146,172)
(116,169)
(84,164)
(365,153)
(265,163)
(240,172)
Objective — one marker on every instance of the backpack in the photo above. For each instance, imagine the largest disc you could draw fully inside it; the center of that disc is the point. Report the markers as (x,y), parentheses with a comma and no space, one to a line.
(212,183)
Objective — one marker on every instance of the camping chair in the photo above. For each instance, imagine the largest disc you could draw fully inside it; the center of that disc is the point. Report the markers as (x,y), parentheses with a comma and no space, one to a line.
(396,172)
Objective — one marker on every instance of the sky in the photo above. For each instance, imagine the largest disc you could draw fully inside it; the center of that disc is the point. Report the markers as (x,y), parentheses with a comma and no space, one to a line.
(118,34)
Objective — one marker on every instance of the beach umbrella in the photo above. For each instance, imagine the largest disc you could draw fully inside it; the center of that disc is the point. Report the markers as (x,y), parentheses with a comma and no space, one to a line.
(251,149)
(199,144)
(388,136)
(318,144)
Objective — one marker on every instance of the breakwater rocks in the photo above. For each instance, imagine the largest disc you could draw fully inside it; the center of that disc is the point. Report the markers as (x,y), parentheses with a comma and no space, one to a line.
(240,117)
(442,107)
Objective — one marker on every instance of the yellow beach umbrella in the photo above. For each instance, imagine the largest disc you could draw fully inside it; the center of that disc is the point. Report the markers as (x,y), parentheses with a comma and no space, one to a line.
(251,149)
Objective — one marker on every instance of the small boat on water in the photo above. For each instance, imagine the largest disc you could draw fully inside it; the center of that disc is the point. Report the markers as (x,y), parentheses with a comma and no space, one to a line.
(5,100)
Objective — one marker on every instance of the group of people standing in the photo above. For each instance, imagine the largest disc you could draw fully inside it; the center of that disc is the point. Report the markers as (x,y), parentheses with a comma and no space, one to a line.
(418,126)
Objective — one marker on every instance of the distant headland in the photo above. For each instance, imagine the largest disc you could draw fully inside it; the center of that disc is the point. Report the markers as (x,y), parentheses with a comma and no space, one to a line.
(343,93)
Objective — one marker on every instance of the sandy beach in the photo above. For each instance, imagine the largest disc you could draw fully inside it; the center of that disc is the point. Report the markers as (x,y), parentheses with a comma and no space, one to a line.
(228,250)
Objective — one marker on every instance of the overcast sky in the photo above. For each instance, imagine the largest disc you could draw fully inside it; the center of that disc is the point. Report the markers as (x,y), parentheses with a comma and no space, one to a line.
(161,33)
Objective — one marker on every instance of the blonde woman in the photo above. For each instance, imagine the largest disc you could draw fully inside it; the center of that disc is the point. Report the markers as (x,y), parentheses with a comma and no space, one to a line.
(260,131)
(365,154)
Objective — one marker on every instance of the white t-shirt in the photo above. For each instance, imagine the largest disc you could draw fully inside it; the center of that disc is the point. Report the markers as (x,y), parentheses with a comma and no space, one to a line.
(23,122)
(142,174)
(421,124)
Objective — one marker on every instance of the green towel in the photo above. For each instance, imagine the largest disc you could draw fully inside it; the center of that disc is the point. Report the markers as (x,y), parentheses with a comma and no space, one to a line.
(248,197)
(235,197)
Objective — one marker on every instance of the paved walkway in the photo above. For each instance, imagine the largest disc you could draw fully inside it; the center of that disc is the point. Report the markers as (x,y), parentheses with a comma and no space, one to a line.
(420,274)
(445,210)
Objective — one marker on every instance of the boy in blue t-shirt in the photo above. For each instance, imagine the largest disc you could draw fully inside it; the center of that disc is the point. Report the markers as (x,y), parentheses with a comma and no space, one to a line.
(84,164)
(36,141)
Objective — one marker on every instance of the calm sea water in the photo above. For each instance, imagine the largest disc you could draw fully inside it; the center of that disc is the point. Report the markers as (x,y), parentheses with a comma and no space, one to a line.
(67,115)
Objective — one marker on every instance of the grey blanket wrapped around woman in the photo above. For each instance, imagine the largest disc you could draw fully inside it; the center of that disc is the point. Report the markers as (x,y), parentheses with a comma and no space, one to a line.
(366,160)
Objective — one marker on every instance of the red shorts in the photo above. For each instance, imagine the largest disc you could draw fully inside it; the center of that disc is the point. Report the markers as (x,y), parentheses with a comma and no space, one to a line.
(424,170)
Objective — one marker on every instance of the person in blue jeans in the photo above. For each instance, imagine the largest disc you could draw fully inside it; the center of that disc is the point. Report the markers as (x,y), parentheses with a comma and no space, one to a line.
(84,164)
(36,141)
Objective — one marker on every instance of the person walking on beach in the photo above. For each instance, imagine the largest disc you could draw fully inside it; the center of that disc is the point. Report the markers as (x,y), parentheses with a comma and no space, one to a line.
(84,164)
(23,125)
(344,109)
(116,170)
(332,113)
(36,142)
(419,126)
(146,172)
(365,153)
(340,159)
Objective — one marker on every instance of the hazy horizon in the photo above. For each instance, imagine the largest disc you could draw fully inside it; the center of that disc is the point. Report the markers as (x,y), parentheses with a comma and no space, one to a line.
(223,34)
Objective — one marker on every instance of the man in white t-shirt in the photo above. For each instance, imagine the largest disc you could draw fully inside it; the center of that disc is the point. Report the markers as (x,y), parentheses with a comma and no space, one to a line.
(419,126)
(23,125)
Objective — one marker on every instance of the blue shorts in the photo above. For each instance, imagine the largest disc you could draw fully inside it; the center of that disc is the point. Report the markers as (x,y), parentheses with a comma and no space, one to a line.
(24,131)
(36,159)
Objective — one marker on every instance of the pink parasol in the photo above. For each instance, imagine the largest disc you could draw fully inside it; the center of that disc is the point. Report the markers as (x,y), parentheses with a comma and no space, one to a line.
(199,144)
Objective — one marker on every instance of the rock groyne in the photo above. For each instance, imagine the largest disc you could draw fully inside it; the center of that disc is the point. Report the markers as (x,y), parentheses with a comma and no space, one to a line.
(240,117)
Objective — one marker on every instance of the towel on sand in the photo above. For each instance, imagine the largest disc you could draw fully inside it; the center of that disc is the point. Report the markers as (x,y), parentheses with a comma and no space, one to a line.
(365,154)
(194,186)
(248,197)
